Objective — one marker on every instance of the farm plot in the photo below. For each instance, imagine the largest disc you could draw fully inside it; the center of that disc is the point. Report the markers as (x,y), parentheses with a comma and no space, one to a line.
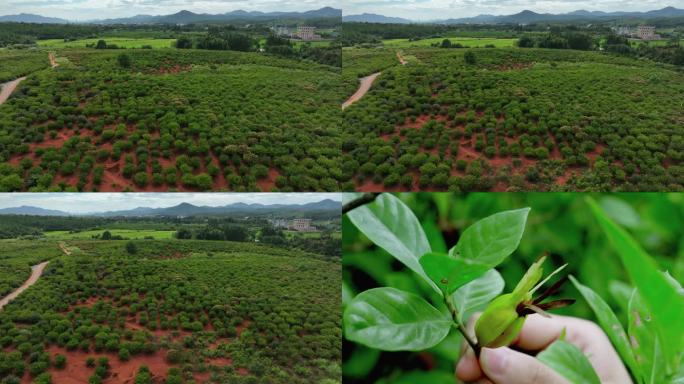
(510,119)
(120,42)
(158,120)
(104,315)
(466,42)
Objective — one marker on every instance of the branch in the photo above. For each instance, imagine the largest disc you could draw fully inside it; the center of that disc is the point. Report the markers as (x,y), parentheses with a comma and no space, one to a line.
(363,200)
(454,314)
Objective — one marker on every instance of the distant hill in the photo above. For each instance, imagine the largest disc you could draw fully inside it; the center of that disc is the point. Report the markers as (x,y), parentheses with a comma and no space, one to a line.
(528,17)
(31,18)
(186,209)
(25,210)
(374,18)
(187,17)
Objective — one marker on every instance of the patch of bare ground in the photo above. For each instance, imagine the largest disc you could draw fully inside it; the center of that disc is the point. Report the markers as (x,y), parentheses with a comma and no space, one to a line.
(267,183)
(76,371)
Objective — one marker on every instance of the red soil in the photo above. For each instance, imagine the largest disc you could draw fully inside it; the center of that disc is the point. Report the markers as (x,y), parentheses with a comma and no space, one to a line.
(76,371)
(267,184)
(241,327)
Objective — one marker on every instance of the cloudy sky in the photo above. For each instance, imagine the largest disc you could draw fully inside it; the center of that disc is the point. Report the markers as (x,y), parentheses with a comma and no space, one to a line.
(444,9)
(99,202)
(103,9)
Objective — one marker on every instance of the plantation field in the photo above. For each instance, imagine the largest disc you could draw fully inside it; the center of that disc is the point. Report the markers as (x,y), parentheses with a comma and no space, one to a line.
(125,233)
(466,42)
(17,257)
(121,42)
(14,64)
(173,120)
(511,119)
(175,312)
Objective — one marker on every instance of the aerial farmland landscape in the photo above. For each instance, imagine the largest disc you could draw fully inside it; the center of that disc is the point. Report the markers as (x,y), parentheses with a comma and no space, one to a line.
(179,102)
(576,101)
(186,289)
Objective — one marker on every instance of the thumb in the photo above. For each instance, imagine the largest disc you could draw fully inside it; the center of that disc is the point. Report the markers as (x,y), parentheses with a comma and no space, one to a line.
(506,366)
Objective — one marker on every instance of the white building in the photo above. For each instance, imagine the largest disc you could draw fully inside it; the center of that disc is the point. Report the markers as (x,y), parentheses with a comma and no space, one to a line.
(302,225)
(307,33)
(646,32)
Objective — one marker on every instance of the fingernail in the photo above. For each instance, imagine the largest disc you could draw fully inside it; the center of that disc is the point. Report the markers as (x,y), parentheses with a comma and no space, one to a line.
(494,360)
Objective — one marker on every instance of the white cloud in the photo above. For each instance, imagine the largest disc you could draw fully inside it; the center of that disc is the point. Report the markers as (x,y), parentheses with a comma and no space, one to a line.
(99,202)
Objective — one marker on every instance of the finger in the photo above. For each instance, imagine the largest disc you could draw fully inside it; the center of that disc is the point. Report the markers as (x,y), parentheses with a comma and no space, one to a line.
(539,332)
(468,368)
(504,365)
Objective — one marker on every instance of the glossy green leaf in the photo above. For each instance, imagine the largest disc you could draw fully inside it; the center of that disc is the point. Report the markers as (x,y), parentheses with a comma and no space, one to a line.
(391,225)
(610,324)
(393,320)
(618,210)
(569,362)
(665,304)
(490,240)
(644,341)
(450,273)
(434,236)
(474,296)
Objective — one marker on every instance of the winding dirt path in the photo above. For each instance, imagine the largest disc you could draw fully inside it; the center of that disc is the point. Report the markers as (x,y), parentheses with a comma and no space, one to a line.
(401,59)
(51,56)
(8,88)
(62,246)
(36,272)
(365,84)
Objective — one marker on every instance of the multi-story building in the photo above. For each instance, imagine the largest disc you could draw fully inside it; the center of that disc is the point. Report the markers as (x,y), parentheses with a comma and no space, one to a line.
(282,31)
(302,225)
(623,31)
(306,33)
(646,32)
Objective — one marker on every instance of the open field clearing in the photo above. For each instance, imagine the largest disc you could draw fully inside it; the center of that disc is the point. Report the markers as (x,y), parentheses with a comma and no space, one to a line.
(120,42)
(125,233)
(511,119)
(467,42)
(171,312)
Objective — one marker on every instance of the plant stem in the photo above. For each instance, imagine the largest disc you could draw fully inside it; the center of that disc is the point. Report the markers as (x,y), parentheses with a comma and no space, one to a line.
(461,328)
(364,199)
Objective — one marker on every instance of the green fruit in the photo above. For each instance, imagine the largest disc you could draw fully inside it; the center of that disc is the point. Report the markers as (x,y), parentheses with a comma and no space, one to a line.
(500,323)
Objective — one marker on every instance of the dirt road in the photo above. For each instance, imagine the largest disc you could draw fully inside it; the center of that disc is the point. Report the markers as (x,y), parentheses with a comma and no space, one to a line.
(63,247)
(8,88)
(364,86)
(36,272)
(52,59)
(401,59)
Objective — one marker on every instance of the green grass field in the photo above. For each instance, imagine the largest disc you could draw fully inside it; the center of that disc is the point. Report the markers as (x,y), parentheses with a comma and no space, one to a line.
(121,42)
(125,233)
(658,43)
(470,42)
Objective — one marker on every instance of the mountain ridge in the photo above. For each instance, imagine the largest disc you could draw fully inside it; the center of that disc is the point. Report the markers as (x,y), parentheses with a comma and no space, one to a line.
(525,16)
(184,209)
(181,17)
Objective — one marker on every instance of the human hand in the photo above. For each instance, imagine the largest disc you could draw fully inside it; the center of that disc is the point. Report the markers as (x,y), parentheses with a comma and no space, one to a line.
(509,366)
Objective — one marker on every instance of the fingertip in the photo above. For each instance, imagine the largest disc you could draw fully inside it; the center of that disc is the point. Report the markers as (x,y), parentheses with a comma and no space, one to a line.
(468,369)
